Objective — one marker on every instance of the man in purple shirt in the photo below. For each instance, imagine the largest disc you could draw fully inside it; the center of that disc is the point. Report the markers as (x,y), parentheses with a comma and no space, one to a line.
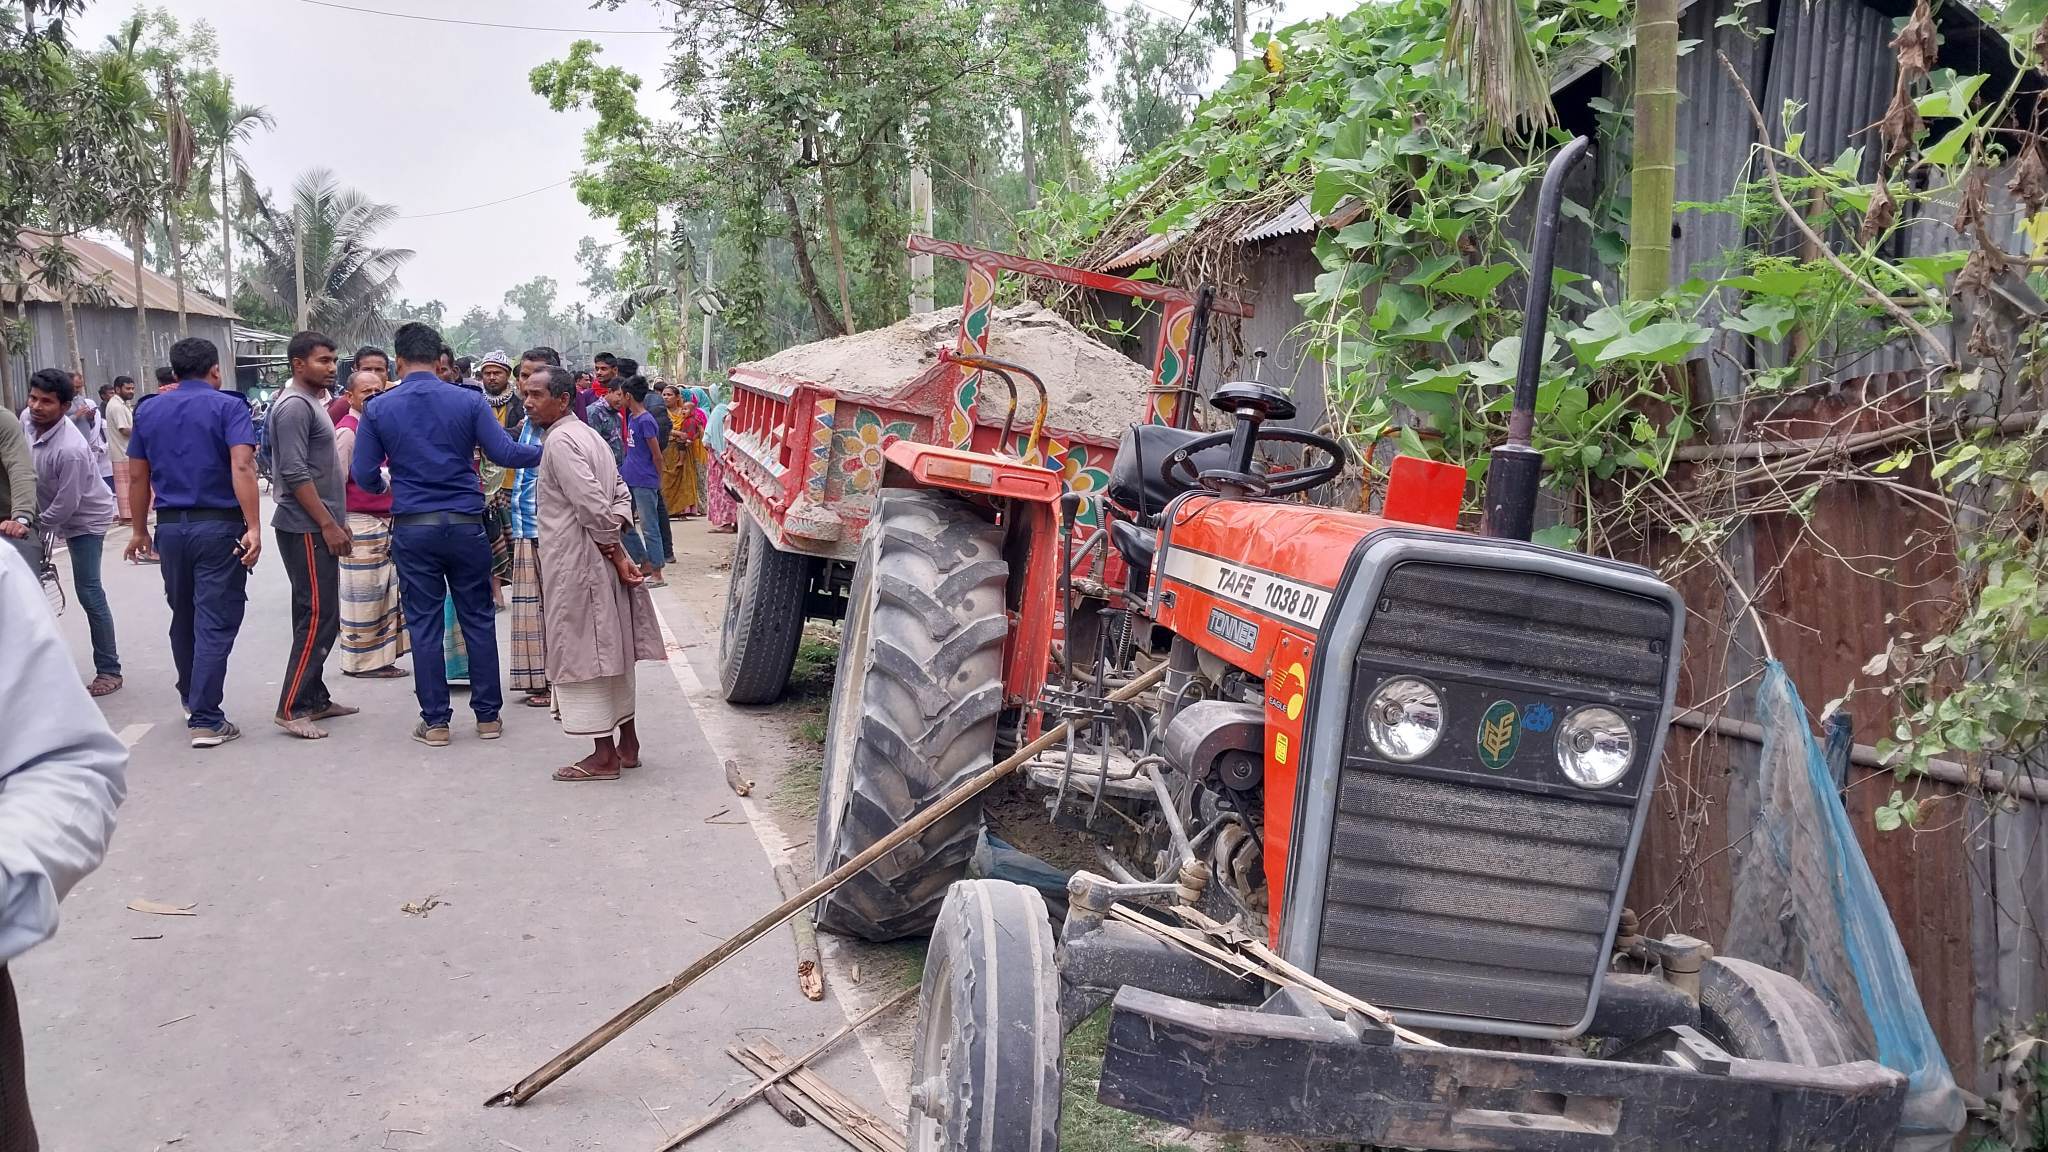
(74,506)
(641,470)
(193,455)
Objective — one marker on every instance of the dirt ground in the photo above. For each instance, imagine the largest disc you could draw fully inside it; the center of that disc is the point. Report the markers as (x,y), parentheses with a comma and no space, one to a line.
(787,741)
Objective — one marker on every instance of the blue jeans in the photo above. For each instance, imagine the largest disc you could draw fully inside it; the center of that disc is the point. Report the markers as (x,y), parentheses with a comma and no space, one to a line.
(452,562)
(643,543)
(92,596)
(207,588)
(668,534)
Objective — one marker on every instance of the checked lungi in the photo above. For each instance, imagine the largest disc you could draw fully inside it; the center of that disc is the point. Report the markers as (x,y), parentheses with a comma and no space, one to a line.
(372,628)
(529,639)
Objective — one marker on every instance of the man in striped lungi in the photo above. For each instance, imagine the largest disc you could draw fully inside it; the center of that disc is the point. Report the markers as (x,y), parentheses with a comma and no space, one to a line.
(529,642)
(373,633)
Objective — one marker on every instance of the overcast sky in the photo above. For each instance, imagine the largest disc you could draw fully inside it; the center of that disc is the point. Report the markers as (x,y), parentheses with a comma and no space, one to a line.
(437,117)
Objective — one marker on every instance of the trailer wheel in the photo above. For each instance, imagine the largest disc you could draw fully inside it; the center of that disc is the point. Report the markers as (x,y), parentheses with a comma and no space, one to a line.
(915,701)
(1760,1014)
(764,618)
(986,1073)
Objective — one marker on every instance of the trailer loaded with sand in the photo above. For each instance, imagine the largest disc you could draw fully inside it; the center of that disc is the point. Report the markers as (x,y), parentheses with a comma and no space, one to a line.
(805,438)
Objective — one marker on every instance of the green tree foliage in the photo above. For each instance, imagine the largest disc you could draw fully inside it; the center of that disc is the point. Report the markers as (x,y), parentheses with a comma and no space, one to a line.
(350,280)
(1161,67)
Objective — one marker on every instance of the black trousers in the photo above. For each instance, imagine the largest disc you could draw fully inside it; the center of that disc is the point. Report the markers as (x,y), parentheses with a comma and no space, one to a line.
(17,1127)
(316,620)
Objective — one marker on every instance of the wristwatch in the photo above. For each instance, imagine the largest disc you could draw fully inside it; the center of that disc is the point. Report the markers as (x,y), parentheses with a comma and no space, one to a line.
(25,520)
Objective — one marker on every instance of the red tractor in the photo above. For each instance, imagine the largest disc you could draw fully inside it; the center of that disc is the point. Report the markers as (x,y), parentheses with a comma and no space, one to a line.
(1414,763)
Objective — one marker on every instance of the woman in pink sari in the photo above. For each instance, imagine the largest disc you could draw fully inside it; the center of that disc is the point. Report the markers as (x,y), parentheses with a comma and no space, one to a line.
(720,509)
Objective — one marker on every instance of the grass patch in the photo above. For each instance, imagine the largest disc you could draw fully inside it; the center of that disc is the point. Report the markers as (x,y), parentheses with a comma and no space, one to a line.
(796,790)
(817,657)
(811,730)
(1087,1124)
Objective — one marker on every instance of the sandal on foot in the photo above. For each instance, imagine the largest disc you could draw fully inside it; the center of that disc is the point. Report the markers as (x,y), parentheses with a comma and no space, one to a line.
(539,700)
(572,773)
(387,672)
(104,685)
(300,726)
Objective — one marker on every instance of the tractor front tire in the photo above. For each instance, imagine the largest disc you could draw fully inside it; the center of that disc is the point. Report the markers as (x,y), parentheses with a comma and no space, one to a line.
(985,1076)
(764,618)
(915,702)
(1758,1013)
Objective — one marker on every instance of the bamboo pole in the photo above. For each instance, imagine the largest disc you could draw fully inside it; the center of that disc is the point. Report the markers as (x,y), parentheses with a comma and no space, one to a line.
(640,1009)
(1867,756)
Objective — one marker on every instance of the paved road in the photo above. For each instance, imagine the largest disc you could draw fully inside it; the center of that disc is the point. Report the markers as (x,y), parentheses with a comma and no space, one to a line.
(300,1008)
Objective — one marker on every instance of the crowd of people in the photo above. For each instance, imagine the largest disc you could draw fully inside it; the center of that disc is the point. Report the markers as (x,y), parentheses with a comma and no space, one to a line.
(408,501)
(413,501)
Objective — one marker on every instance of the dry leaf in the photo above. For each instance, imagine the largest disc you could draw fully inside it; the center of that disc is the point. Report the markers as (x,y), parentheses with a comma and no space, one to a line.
(421,907)
(159,908)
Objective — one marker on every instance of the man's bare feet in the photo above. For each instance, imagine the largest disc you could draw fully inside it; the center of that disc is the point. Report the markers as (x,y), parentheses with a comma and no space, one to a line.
(629,745)
(333,710)
(599,765)
(301,727)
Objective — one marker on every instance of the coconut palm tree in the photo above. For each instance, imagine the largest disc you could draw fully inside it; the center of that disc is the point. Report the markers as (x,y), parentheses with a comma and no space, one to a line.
(331,233)
(222,125)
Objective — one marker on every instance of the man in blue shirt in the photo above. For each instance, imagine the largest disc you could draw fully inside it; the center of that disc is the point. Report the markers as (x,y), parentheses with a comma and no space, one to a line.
(429,431)
(194,450)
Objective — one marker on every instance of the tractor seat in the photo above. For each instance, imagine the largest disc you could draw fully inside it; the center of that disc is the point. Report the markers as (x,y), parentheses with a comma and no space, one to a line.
(1137,546)
(1135,472)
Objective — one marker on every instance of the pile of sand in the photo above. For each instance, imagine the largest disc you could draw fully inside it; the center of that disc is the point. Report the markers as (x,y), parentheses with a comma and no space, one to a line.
(1092,388)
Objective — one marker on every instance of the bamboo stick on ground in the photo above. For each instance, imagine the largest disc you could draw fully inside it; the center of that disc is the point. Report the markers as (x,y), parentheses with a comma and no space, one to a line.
(533,1082)
(849,1121)
(810,973)
(740,1101)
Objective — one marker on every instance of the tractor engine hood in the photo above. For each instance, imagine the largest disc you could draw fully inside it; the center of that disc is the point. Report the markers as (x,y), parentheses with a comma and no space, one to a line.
(1468,880)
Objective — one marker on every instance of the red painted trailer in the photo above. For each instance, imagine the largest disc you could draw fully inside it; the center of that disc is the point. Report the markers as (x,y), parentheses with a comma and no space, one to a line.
(804,439)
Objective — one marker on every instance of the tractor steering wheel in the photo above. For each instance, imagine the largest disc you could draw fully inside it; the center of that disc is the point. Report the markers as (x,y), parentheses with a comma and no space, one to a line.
(1178,469)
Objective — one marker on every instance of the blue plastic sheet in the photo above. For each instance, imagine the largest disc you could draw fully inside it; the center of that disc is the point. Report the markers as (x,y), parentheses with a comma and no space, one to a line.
(1806,904)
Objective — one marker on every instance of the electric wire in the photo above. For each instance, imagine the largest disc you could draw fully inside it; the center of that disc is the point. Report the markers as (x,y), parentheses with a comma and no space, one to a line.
(487,203)
(489,23)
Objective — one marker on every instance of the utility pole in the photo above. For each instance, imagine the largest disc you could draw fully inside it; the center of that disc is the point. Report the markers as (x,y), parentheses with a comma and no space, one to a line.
(923,288)
(299,268)
(704,358)
(1237,29)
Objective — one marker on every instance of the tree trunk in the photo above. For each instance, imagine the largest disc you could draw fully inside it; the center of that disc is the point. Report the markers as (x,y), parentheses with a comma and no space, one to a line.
(142,377)
(71,333)
(806,272)
(1067,142)
(177,262)
(1653,171)
(679,264)
(1030,156)
(1237,30)
(227,236)
(831,210)
(6,384)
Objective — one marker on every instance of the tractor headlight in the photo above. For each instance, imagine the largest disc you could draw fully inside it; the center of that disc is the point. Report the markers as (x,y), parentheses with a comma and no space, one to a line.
(1595,746)
(1404,719)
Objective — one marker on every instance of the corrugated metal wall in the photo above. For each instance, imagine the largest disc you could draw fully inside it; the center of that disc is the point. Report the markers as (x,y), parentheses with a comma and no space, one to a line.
(106,340)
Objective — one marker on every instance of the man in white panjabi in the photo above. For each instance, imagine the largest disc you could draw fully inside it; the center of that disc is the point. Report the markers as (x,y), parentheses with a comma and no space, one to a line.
(595,613)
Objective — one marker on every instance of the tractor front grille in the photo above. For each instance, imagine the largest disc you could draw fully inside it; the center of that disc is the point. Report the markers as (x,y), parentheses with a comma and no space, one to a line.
(1464,891)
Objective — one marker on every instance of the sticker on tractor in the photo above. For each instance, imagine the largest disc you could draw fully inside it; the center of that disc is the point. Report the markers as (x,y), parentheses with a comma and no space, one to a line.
(1264,592)
(1500,731)
(1241,633)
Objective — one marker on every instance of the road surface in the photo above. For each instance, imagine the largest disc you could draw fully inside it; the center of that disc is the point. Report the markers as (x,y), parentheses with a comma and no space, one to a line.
(301,1007)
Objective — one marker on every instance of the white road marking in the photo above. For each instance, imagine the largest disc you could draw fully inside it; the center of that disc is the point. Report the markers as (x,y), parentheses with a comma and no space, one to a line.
(721,728)
(133,734)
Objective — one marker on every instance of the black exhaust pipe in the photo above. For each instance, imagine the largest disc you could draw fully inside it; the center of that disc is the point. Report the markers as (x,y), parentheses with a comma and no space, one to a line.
(1516,468)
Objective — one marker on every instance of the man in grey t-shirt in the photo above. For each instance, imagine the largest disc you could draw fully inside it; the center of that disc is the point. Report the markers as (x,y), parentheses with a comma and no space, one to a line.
(312,533)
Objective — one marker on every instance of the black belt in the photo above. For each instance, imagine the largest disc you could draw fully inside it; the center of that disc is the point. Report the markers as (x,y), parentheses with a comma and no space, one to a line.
(194,515)
(437,518)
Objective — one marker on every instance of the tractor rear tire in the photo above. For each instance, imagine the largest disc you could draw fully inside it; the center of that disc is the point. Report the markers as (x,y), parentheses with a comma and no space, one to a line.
(764,618)
(1759,1014)
(985,1076)
(916,699)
